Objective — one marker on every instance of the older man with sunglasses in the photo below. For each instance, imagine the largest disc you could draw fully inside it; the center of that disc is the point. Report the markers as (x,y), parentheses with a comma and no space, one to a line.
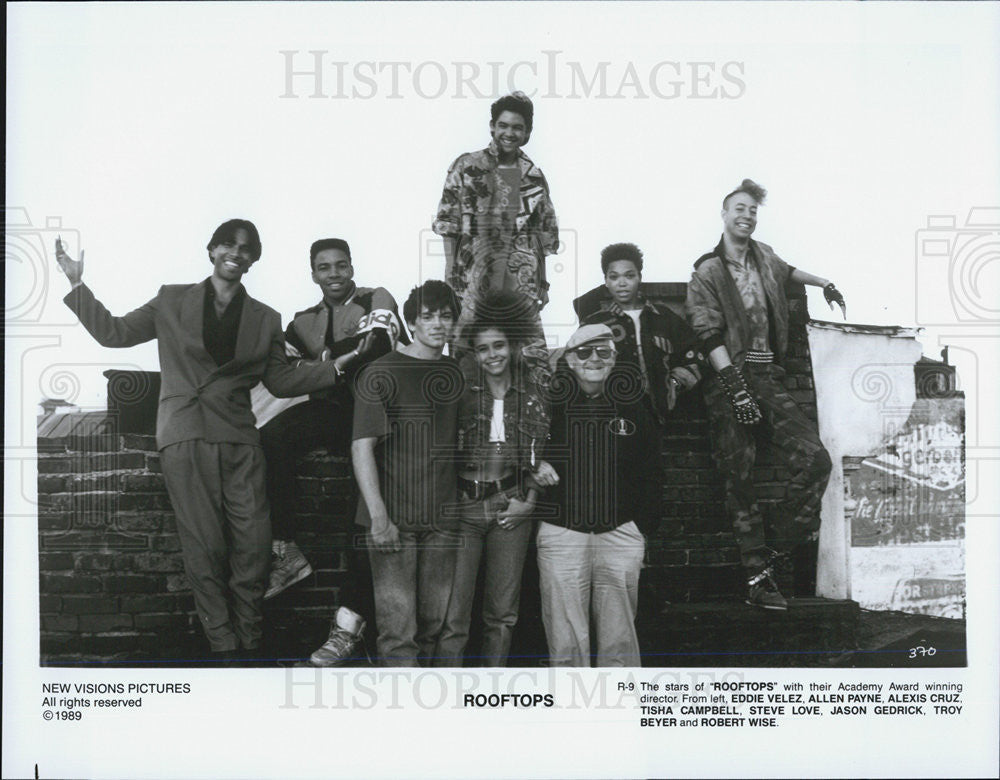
(604,444)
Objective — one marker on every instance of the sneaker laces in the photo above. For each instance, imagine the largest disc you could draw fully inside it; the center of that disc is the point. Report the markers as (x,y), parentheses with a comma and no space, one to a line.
(342,642)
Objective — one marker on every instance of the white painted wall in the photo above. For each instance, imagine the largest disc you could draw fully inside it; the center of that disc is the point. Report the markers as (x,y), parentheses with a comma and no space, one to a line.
(864,383)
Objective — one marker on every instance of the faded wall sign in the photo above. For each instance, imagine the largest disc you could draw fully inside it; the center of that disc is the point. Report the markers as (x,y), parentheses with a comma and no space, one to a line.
(905,507)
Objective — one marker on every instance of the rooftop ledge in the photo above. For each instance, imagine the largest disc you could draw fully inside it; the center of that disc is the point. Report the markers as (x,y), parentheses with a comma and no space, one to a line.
(892,331)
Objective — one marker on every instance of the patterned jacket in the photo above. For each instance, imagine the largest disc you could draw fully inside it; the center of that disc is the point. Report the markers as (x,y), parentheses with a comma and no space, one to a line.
(715,309)
(470,213)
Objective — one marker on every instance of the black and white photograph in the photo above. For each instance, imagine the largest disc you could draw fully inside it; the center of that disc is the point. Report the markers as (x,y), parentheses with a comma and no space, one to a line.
(530,373)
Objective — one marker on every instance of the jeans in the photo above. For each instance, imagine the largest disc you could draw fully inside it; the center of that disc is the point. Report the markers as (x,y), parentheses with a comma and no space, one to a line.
(505,554)
(590,578)
(412,591)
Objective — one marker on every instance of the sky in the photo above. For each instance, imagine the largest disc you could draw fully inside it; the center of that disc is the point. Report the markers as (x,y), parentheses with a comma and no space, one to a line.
(138,129)
(133,130)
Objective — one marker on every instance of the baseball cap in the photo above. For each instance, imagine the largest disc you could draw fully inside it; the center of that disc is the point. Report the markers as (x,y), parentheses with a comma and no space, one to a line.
(587,333)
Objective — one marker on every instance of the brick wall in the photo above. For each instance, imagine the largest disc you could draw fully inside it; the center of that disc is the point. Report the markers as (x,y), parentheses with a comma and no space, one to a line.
(111,579)
(112,587)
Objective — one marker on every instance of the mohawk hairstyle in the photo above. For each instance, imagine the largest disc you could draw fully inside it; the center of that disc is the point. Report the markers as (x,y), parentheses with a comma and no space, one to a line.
(751,188)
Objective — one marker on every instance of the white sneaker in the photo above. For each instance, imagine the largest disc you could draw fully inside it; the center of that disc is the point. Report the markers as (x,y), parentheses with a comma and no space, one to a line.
(345,636)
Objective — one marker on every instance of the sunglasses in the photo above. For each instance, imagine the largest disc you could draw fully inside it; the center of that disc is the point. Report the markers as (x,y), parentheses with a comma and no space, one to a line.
(585,352)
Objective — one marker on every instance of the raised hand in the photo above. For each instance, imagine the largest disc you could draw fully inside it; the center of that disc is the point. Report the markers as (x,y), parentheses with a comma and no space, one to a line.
(72,268)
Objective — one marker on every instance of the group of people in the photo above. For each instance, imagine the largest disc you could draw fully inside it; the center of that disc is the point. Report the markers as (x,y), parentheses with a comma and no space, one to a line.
(468,437)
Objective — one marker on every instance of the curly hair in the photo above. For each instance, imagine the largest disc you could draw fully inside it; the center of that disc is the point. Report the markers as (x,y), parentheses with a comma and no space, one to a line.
(518,103)
(751,188)
(621,252)
(504,310)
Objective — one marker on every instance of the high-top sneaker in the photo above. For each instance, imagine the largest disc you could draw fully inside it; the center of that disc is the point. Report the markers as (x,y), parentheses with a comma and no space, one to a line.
(762,590)
(288,566)
(342,644)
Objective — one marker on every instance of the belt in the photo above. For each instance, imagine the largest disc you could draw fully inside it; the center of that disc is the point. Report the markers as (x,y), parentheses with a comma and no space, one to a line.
(481,490)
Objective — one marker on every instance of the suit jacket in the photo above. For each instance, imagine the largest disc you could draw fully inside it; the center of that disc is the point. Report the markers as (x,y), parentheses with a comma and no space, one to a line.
(199,399)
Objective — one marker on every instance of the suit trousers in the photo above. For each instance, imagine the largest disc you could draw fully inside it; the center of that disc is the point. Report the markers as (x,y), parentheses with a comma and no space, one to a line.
(590,579)
(218,495)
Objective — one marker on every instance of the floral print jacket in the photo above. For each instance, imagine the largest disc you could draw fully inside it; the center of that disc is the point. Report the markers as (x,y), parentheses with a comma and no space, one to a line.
(496,249)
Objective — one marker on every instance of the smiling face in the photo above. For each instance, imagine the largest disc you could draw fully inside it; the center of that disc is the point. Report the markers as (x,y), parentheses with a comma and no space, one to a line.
(739,216)
(509,131)
(432,329)
(492,351)
(332,271)
(232,257)
(592,370)
(622,280)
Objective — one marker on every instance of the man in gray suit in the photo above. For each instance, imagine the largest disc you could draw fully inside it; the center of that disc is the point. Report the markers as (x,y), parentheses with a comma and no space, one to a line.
(215,343)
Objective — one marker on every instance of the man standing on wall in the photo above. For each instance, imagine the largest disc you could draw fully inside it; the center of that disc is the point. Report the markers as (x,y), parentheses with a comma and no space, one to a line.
(736,305)
(215,342)
(351,326)
(495,214)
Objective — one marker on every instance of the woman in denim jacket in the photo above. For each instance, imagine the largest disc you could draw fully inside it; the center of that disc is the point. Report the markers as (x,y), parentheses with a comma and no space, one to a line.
(503,424)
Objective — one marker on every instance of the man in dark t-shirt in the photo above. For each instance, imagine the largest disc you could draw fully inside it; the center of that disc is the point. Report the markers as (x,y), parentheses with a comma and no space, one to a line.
(405,424)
